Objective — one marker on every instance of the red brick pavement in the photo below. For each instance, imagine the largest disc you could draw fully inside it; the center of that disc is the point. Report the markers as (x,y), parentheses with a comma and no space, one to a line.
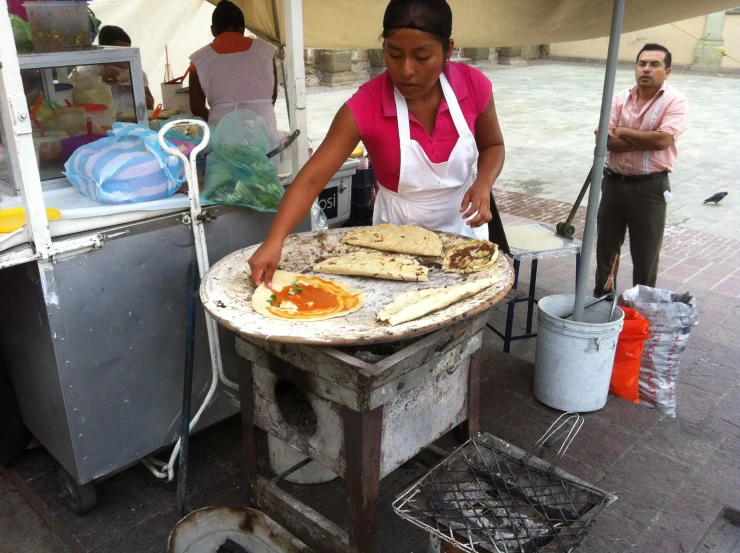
(703,262)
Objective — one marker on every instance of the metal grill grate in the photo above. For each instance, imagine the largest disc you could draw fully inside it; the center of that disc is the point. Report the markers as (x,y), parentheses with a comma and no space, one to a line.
(491,496)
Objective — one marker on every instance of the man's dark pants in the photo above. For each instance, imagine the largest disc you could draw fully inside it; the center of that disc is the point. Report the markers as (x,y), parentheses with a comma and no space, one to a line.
(640,207)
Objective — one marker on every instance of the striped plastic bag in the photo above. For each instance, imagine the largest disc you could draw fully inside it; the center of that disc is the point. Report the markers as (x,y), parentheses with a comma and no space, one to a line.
(127,166)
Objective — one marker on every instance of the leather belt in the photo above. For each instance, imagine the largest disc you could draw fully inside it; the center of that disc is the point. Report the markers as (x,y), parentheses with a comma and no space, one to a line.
(633,178)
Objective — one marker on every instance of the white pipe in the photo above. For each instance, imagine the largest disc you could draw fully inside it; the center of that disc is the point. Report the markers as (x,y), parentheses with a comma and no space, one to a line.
(156,467)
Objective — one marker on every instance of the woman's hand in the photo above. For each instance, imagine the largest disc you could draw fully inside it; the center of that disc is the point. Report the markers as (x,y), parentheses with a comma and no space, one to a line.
(264,262)
(477,198)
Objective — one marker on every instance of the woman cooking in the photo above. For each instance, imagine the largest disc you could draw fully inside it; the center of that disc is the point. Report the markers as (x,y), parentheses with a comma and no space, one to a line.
(425,123)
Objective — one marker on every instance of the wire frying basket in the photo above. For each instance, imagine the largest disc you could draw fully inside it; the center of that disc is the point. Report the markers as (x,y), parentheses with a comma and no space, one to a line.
(490,496)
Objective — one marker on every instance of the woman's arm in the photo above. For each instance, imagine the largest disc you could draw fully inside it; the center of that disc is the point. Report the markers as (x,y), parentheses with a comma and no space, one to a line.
(491,155)
(197,97)
(342,138)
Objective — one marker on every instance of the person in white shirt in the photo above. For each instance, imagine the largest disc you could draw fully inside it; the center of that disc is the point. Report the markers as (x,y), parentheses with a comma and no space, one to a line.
(234,71)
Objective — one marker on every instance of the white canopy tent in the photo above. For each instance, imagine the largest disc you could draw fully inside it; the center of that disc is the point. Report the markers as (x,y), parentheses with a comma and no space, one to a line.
(476,23)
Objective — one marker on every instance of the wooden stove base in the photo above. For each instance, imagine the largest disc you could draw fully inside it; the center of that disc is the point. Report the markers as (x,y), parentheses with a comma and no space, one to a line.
(362,439)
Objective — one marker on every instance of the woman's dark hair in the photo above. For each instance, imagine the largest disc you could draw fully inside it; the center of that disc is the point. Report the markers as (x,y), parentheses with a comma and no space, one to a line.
(110,34)
(430,16)
(227,17)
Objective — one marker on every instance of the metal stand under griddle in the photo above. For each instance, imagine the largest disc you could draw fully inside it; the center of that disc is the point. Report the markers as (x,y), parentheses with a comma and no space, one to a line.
(380,413)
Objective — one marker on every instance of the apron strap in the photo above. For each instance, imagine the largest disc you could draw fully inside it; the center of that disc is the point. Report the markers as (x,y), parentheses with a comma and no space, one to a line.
(454,106)
(402,114)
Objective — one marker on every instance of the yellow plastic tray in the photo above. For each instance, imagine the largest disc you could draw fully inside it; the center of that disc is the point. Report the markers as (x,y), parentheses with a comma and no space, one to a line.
(14,218)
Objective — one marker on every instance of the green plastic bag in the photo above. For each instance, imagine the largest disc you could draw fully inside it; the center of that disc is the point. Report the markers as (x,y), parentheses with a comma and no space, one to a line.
(21,34)
(94,23)
(238,171)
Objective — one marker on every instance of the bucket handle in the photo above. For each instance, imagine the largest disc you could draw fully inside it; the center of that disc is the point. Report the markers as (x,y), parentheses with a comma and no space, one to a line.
(576,422)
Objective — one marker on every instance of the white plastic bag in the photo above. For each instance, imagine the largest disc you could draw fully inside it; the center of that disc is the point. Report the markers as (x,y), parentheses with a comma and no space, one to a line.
(671,317)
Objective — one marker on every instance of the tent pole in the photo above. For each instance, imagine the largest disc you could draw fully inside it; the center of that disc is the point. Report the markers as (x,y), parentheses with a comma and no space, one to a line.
(295,86)
(597,170)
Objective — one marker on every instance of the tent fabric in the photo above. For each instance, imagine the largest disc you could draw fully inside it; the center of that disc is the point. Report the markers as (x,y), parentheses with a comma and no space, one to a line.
(476,23)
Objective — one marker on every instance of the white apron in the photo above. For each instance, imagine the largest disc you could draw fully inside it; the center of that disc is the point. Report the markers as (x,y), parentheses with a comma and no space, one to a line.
(429,194)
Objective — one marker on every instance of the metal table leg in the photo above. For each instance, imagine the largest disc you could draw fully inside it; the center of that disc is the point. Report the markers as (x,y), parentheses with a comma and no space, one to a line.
(517,264)
(362,441)
(246,398)
(531,302)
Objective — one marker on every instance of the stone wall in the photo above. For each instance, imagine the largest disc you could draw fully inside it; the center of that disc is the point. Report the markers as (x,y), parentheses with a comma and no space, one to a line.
(336,67)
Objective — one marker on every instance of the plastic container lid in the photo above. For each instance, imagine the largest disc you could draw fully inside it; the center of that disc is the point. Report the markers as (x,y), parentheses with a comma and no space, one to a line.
(14,218)
(61,87)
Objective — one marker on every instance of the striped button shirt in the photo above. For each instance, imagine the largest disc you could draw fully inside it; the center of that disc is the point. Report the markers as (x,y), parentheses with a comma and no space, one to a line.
(667,111)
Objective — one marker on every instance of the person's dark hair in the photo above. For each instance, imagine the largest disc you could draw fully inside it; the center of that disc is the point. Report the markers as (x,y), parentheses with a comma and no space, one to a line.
(227,17)
(430,16)
(110,34)
(652,47)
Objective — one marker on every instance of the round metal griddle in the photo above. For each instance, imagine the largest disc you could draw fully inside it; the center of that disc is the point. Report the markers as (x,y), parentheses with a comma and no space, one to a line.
(226,293)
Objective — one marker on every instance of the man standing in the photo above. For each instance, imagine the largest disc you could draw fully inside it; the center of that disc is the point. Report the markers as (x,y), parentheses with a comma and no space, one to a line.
(646,121)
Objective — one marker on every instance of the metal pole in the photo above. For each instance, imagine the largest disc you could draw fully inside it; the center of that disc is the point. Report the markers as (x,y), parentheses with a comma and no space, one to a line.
(187,390)
(597,170)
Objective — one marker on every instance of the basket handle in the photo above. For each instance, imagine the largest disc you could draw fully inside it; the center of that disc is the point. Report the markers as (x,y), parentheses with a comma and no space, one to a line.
(576,421)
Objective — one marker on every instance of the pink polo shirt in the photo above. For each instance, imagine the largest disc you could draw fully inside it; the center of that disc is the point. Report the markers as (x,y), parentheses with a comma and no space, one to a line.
(667,111)
(374,110)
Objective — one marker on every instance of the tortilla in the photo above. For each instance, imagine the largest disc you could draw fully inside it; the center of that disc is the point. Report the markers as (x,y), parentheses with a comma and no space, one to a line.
(531,239)
(376,265)
(297,297)
(409,239)
(413,305)
(470,256)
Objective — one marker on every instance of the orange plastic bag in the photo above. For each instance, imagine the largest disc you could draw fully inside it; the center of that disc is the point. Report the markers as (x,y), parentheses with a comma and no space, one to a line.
(626,372)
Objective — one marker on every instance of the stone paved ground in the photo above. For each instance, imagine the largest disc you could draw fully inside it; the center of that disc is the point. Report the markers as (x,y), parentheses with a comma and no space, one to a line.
(673,476)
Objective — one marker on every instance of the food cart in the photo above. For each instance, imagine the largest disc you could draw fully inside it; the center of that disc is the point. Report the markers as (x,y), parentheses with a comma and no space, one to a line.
(96,347)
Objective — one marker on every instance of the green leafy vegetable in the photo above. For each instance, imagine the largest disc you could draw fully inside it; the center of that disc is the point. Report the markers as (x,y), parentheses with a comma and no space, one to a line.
(272,299)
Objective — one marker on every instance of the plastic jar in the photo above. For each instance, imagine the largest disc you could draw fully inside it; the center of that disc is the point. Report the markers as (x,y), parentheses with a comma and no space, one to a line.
(58,26)
(70,119)
(49,146)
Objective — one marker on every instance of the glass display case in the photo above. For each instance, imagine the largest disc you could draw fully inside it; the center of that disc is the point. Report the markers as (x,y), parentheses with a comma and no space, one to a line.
(74,97)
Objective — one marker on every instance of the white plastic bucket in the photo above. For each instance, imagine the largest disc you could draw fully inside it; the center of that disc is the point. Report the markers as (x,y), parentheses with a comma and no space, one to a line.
(573,362)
